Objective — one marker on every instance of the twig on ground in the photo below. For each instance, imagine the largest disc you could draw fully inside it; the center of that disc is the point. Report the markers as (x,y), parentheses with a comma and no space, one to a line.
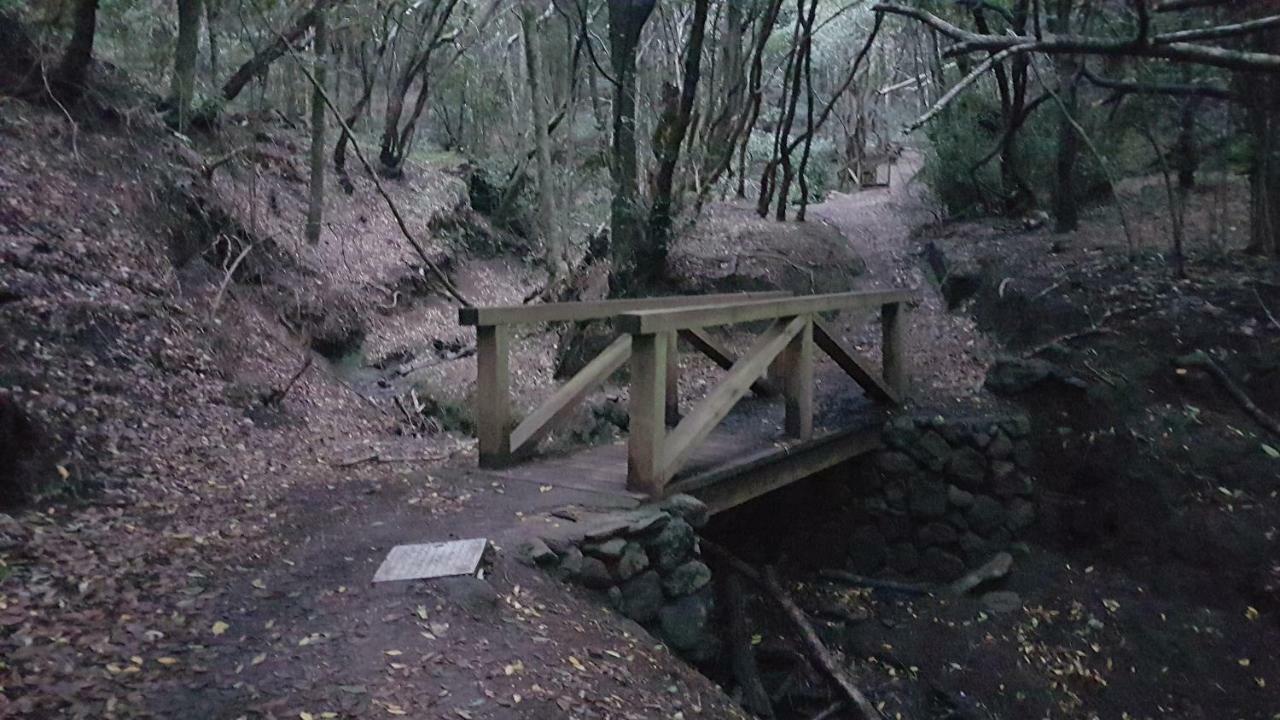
(209,167)
(829,711)
(848,578)
(275,397)
(226,280)
(1266,309)
(1201,359)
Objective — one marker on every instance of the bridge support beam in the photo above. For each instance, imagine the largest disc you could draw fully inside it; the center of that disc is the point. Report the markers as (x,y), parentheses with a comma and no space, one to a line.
(648,427)
(493,399)
(795,370)
(894,368)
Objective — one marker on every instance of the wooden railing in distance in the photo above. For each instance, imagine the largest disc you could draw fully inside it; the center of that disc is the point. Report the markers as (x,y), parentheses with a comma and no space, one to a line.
(500,442)
(785,350)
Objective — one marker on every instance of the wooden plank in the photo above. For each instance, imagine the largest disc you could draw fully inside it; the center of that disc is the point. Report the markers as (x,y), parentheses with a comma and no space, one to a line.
(796,374)
(493,397)
(556,408)
(853,366)
(893,326)
(732,485)
(665,320)
(648,414)
(595,310)
(673,378)
(707,414)
(720,355)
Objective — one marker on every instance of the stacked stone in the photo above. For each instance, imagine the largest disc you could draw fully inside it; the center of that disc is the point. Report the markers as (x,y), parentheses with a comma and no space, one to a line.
(649,563)
(944,495)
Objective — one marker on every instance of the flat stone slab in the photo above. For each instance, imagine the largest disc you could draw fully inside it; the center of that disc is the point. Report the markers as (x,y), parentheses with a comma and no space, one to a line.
(431,560)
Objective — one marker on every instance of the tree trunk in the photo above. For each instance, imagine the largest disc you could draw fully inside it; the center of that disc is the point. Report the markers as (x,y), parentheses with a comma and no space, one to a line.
(626,227)
(768,176)
(211,13)
(806,45)
(315,209)
(1066,211)
(667,147)
(183,84)
(552,243)
(274,50)
(74,67)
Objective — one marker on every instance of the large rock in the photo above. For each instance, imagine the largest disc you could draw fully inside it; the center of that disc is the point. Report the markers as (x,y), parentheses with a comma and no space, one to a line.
(687,507)
(641,597)
(967,467)
(936,533)
(928,499)
(1001,447)
(976,549)
(895,464)
(986,515)
(683,622)
(594,573)
(686,579)
(607,550)
(867,550)
(533,551)
(932,450)
(894,526)
(634,560)
(901,433)
(959,498)
(673,545)
(570,563)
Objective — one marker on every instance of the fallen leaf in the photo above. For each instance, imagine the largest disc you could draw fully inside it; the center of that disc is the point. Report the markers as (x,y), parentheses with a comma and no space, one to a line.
(219,628)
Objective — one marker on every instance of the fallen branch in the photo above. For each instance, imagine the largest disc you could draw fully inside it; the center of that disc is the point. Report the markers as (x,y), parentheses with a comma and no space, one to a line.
(816,650)
(1200,359)
(275,397)
(226,280)
(994,569)
(208,169)
(754,696)
(847,578)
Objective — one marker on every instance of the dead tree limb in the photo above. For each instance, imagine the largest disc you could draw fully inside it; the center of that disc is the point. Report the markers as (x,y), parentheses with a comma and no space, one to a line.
(754,697)
(1201,360)
(816,650)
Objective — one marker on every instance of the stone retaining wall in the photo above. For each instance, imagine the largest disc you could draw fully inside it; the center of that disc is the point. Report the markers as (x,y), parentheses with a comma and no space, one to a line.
(943,496)
(649,564)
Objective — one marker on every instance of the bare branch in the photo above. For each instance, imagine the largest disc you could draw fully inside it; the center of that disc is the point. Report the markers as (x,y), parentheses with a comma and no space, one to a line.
(1141,88)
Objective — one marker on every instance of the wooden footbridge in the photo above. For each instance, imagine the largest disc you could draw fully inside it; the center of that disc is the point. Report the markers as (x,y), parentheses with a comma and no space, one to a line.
(667,450)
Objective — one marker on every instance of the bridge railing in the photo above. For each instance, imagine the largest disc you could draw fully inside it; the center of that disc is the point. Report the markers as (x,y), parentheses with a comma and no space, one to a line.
(501,440)
(785,351)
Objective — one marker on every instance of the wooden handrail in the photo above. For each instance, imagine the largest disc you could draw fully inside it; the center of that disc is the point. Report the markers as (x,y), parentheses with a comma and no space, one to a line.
(785,350)
(679,318)
(597,309)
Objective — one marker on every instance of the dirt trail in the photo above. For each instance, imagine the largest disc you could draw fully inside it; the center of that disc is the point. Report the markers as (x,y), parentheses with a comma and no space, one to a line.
(948,354)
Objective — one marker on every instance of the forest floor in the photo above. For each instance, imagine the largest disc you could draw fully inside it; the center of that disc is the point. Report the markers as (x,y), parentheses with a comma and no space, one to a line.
(209,555)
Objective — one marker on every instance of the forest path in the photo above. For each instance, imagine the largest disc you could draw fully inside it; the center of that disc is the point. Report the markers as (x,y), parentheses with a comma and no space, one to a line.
(949,355)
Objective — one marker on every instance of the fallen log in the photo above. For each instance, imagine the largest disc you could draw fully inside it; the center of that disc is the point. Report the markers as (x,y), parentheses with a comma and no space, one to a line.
(814,646)
(1201,359)
(741,657)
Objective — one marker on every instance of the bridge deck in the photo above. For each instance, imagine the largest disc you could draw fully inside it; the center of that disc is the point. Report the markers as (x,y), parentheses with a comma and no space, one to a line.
(734,465)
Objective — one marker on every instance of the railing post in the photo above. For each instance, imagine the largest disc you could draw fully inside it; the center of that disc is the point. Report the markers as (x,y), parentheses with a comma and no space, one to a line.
(795,367)
(673,379)
(893,326)
(493,397)
(648,413)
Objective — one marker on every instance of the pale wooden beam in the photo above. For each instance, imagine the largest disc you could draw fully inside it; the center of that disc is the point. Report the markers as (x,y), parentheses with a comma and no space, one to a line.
(663,320)
(560,405)
(893,325)
(703,342)
(708,413)
(673,378)
(854,366)
(596,309)
(493,396)
(648,414)
(796,374)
